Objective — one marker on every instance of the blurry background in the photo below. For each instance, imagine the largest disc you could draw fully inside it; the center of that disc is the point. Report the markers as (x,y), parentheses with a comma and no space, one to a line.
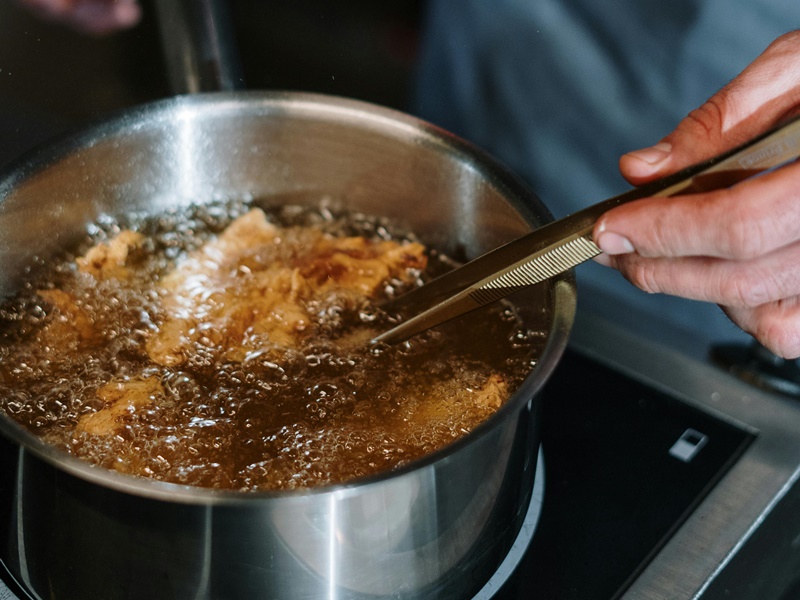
(54,80)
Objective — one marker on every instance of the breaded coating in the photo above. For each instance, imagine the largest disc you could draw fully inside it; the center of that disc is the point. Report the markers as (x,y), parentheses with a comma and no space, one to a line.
(239,293)
(70,325)
(110,259)
(493,393)
(121,398)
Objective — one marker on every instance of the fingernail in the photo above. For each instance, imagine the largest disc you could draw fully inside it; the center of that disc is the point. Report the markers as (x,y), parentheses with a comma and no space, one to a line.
(654,154)
(614,243)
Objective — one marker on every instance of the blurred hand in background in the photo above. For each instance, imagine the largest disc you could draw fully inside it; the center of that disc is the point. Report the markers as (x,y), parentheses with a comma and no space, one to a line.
(95,17)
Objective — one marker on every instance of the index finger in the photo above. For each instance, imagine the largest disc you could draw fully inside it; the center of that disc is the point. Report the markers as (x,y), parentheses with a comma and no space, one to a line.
(747,220)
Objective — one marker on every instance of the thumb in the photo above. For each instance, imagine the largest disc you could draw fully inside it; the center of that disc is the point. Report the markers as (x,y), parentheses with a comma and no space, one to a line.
(762,95)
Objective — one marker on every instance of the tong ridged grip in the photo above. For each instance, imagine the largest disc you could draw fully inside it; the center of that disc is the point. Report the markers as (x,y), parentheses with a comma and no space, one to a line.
(536,269)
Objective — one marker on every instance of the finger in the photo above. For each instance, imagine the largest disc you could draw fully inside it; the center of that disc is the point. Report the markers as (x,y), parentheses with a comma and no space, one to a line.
(752,218)
(100,20)
(96,17)
(776,325)
(763,94)
(100,17)
(745,284)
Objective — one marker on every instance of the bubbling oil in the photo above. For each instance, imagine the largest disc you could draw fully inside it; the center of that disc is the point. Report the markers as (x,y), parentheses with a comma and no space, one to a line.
(322,412)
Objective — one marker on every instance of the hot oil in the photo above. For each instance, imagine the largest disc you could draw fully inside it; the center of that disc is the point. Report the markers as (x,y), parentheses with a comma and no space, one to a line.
(331,409)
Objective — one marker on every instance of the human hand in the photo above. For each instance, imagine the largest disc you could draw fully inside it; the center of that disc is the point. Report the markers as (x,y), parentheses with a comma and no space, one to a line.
(737,247)
(97,17)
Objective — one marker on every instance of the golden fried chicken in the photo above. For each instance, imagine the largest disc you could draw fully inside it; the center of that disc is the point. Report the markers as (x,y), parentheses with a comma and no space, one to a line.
(493,393)
(69,325)
(245,291)
(440,401)
(121,398)
(110,259)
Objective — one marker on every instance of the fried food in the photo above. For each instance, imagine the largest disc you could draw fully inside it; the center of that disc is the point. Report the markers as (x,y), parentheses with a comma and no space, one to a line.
(221,350)
(70,325)
(240,293)
(234,294)
(493,393)
(112,258)
(122,399)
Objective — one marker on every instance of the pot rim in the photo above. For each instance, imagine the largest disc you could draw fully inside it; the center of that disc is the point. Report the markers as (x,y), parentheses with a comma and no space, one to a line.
(562,289)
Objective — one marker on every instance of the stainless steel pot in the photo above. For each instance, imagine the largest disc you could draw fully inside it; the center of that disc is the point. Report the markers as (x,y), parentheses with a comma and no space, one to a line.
(436,528)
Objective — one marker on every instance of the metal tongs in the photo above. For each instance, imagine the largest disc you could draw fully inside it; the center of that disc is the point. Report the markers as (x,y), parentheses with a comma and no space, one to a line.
(563,244)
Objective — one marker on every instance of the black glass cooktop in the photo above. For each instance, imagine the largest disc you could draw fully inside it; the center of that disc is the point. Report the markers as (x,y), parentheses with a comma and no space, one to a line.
(624,465)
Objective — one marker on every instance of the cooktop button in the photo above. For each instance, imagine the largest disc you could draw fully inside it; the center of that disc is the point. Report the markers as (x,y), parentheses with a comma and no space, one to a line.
(688,445)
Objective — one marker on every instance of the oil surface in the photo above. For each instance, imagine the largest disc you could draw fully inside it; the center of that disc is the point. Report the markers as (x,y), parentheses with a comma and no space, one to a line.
(326,409)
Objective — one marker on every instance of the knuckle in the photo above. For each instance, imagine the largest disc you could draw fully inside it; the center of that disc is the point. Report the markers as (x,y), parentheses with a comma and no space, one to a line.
(707,119)
(662,229)
(665,236)
(775,325)
(787,42)
(641,273)
(740,243)
(779,338)
(740,235)
(745,289)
